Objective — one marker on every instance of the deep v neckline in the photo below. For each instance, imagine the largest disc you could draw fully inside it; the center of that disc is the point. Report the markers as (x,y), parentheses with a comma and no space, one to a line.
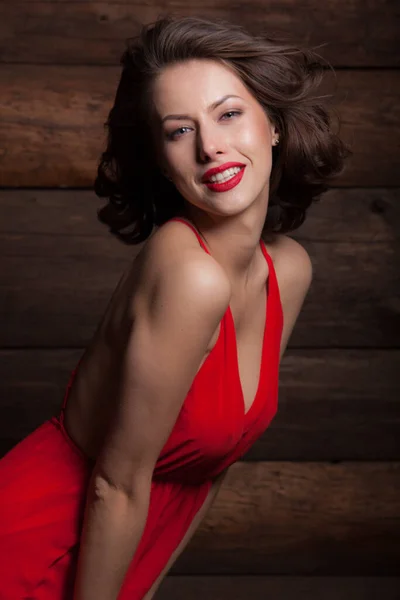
(268,258)
(264,342)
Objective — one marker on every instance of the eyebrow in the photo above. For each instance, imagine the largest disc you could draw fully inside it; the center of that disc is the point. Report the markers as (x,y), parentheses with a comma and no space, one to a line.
(212,107)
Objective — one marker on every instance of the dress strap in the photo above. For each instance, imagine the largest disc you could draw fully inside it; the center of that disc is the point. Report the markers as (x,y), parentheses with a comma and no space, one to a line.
(271,268)
(274,295)
(69,386)
(202,244)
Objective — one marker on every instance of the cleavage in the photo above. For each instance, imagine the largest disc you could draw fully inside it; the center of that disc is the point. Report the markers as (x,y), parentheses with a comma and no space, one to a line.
(249,334)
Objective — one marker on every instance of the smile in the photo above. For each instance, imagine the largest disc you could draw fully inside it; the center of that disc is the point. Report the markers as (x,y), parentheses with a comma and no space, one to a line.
(228,179)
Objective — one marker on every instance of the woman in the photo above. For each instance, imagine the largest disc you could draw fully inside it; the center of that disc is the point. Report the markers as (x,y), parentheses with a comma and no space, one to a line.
(215,136)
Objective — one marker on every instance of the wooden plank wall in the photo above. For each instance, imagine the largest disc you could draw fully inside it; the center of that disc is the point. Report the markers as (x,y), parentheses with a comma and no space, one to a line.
(313,510)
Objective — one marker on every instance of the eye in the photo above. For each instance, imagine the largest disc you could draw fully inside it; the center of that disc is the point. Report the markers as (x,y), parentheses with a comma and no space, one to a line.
(174,134)
(232,112)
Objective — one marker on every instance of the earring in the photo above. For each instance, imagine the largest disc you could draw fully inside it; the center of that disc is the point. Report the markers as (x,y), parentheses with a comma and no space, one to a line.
(276,141)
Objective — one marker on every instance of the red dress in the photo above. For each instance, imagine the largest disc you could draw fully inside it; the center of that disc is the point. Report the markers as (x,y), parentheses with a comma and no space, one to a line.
(43,479)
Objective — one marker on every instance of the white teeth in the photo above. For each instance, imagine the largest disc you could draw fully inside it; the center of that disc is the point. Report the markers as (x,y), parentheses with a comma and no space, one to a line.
(225,175)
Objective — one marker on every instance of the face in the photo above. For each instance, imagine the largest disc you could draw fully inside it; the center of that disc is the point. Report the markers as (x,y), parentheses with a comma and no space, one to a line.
(195,132)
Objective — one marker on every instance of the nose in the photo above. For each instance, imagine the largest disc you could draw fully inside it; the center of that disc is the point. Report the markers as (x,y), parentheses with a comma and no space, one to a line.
(210,142)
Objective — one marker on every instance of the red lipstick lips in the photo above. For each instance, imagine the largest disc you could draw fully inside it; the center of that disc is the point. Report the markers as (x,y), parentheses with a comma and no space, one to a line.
(219,169)
(225,185)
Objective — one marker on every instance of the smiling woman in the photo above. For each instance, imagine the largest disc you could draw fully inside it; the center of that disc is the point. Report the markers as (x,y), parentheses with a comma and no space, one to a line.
(241,143)
(272,78)
(216,137)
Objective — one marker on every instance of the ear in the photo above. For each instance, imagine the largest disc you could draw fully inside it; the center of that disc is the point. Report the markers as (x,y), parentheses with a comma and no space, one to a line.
(274,131)
(274,135)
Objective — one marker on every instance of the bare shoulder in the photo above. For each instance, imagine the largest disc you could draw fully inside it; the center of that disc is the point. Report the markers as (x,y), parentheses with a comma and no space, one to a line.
(291,260)
(174,256)
(294,272)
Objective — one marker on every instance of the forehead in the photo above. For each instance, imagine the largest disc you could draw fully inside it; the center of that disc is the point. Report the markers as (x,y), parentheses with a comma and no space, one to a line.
(195,84)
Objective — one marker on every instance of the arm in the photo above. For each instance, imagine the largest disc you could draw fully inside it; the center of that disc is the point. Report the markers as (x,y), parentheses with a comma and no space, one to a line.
(112,529)
(185,305)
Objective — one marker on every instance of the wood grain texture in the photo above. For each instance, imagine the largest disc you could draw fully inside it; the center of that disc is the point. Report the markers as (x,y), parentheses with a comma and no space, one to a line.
(258,587)
(341,215)
(64,32)
(304,518)
(333,404)
(51,124)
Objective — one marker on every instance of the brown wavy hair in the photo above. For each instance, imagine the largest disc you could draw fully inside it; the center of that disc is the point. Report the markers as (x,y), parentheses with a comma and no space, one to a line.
(280,75)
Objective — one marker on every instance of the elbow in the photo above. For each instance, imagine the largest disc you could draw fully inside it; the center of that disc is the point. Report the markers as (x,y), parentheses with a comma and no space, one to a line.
(136,491)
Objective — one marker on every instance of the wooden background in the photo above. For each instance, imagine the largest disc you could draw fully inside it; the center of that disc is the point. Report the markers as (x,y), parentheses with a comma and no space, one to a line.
(313,510)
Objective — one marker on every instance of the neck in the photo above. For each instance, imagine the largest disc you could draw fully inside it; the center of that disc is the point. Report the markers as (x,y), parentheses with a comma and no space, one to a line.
(234,242)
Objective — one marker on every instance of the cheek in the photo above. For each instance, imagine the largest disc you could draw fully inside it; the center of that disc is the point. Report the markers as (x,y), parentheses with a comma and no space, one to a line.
(257,143)
(255,138)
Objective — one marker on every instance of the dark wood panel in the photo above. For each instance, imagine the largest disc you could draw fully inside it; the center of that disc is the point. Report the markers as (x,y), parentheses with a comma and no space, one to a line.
(304,518)
(353,297)
(258,587)
(32,388)
(94,32)
(51,123)
(342,215)
(55,290)
(333,405)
